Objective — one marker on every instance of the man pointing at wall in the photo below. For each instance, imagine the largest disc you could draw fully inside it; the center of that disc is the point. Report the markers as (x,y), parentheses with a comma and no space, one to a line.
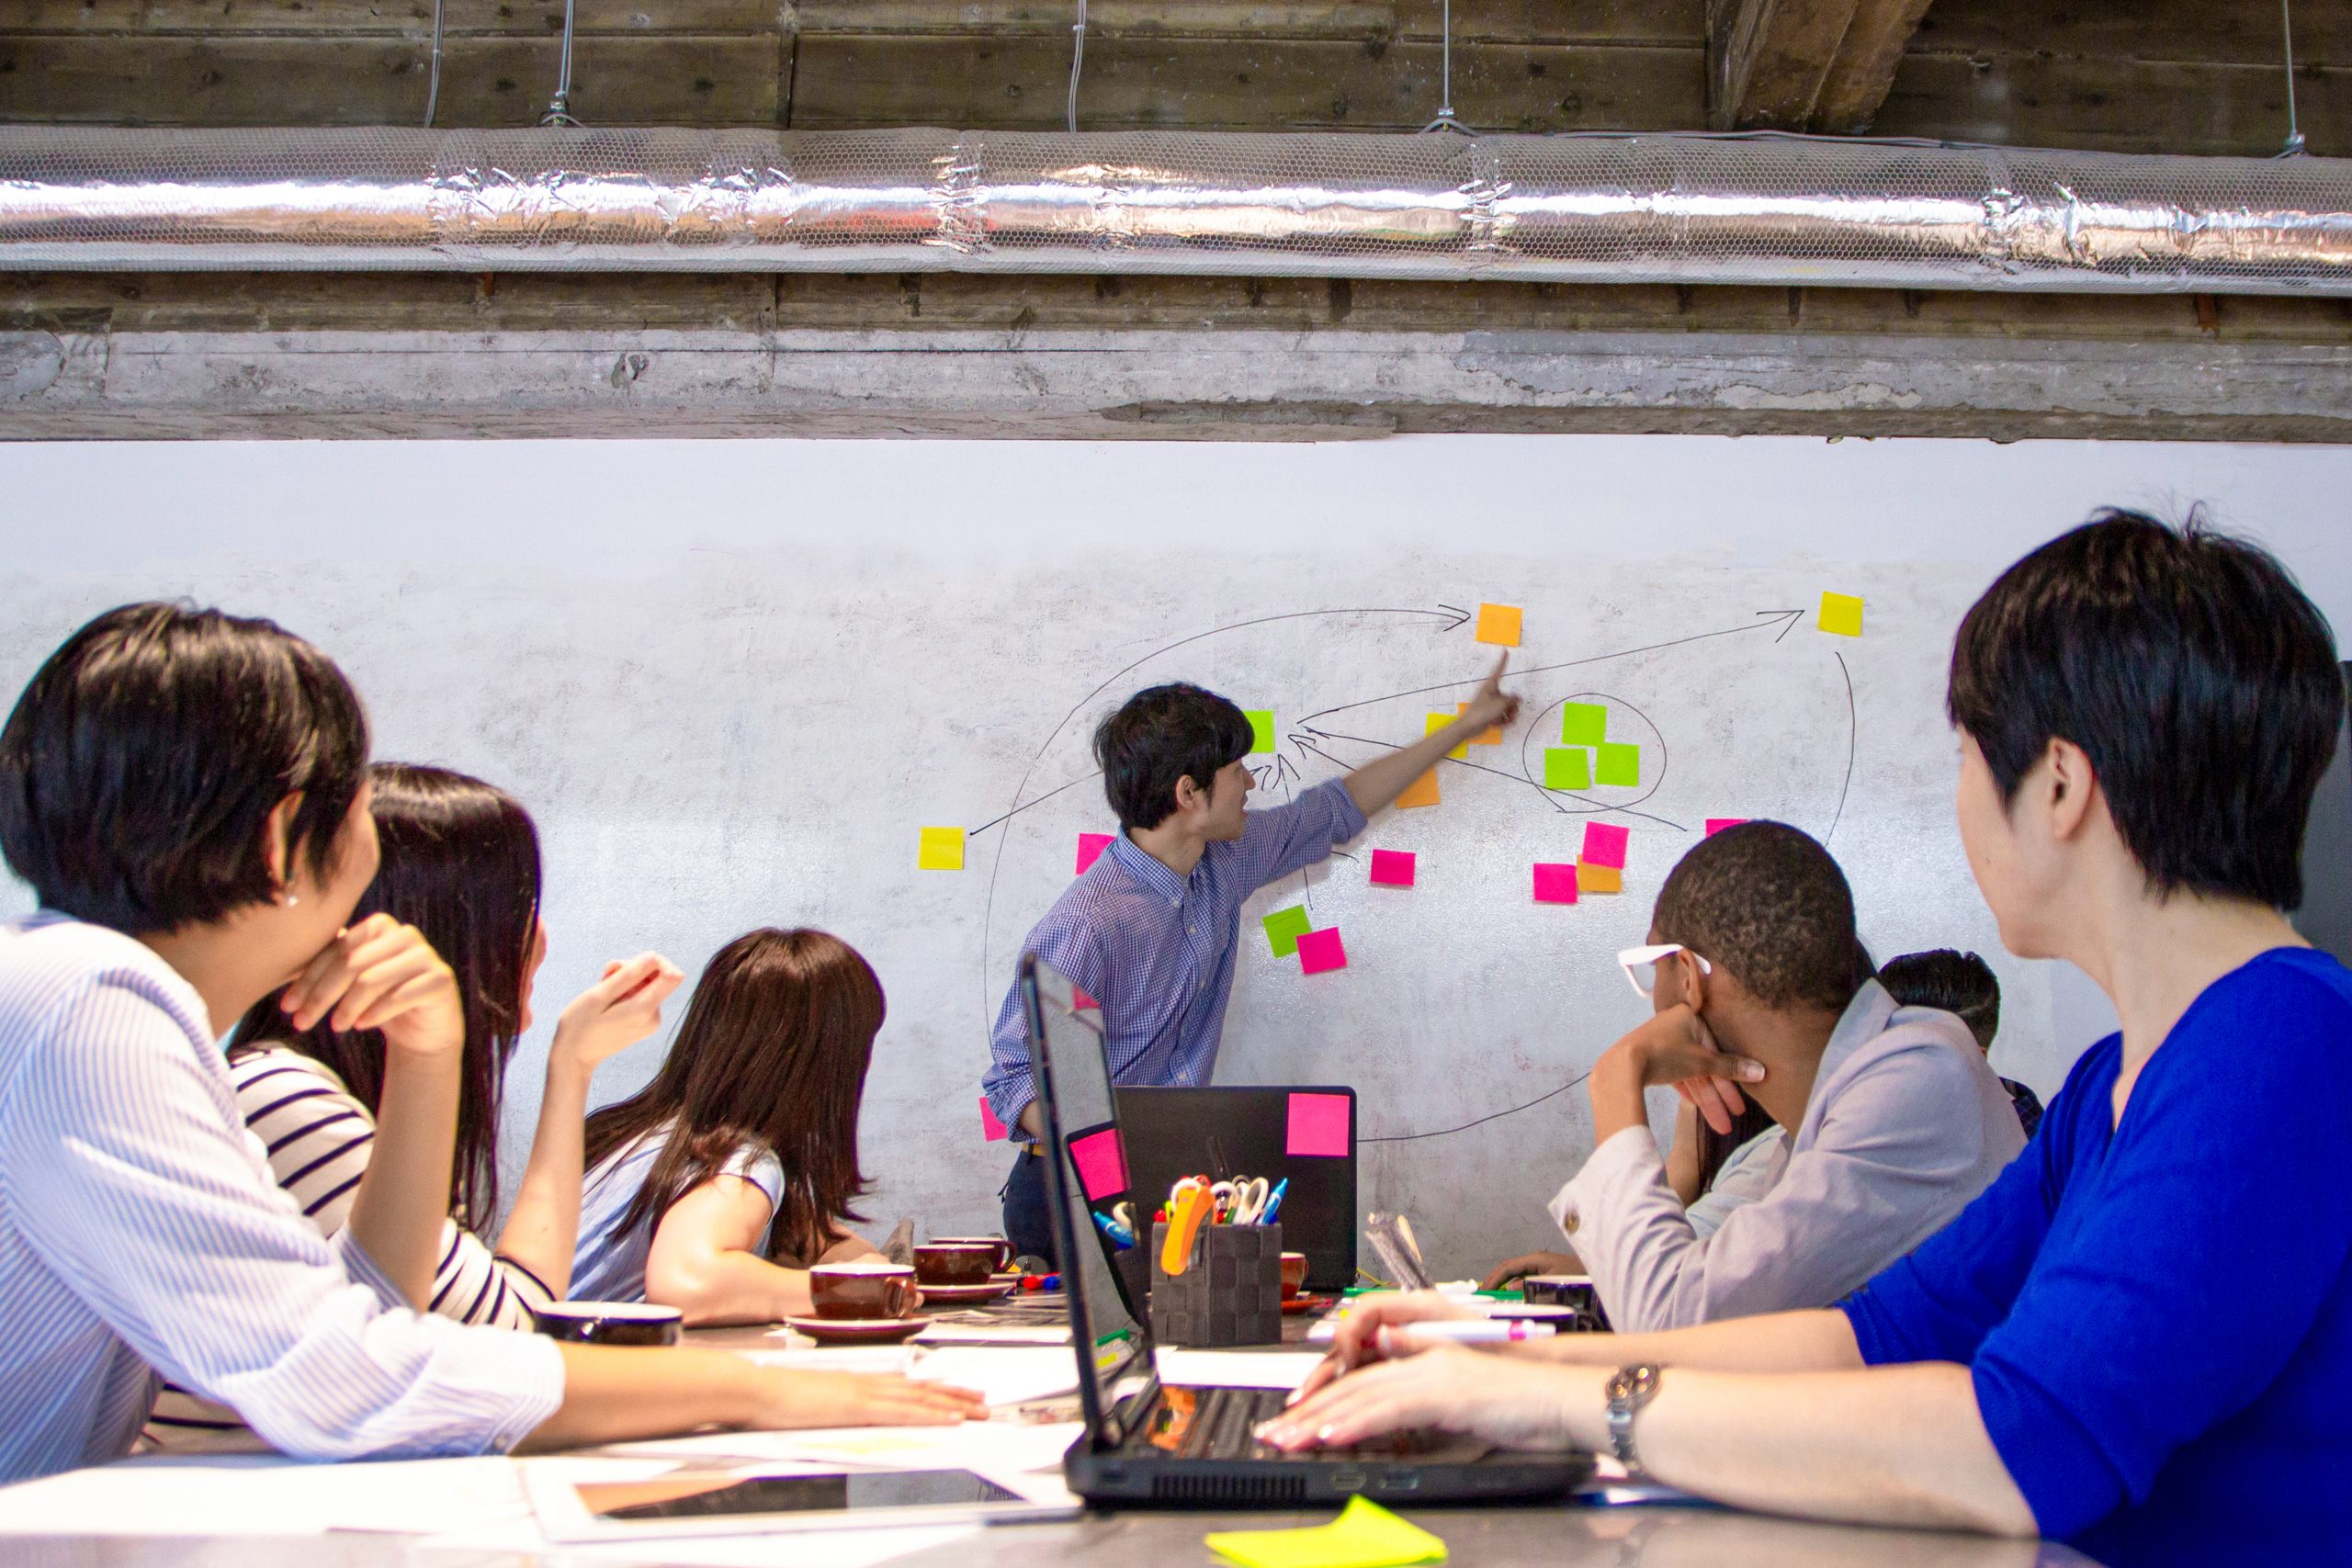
(1149,931)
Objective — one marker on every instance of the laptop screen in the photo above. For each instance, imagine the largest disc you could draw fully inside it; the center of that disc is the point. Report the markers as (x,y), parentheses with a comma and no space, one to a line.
(1082,1131)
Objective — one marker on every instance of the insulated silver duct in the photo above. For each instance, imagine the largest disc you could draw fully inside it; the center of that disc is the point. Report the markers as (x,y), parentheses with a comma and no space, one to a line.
(1584,209)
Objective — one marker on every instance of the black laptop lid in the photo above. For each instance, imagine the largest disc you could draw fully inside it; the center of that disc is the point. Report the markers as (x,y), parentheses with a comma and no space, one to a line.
(1082,1140)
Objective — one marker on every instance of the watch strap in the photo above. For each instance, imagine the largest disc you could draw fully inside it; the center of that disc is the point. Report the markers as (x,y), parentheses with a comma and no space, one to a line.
(1629,1389)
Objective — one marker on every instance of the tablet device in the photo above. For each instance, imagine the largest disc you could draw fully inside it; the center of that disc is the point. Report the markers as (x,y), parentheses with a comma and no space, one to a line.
(747,1499)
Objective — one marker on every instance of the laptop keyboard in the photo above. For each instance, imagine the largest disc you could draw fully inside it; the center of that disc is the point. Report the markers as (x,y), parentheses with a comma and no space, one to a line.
(1220,1424)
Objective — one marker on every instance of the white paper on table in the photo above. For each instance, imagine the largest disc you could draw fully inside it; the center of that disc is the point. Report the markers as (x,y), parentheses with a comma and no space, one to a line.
(995,1333)
(1002,1374)
(1285,1369)
(796,1352)
(249,1495)
(994,1448)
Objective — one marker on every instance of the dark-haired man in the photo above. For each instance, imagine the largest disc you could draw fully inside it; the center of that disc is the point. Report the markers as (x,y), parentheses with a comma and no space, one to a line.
(1149,931)
(1892,1121)
(1964,986)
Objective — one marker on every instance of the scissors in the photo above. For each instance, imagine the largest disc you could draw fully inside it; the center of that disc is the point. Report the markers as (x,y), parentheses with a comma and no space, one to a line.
(1242,1201)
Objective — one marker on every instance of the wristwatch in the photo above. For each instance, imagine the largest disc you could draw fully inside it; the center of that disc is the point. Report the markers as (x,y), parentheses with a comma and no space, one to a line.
(1629,1389)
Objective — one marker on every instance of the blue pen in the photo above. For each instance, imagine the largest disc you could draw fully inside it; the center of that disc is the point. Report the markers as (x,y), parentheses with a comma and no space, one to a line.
(1275,1203)
(1120,1236)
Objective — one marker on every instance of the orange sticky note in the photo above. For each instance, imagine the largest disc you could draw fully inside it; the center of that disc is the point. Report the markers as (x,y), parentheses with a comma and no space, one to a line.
(1591,878)
(1422,791)
(1498,623)
(1438,721)
(1494,735)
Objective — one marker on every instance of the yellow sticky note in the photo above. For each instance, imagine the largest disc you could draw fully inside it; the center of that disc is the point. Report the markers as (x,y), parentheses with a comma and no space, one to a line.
(1494,732)
(941,849)
(1498,623)
(1422,791)
(1438,721)
(1591,878)
(1842,614)
(1365,1535)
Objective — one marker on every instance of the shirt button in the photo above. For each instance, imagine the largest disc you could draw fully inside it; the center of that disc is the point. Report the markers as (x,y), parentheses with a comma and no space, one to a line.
(1191,931)
(1570,1223)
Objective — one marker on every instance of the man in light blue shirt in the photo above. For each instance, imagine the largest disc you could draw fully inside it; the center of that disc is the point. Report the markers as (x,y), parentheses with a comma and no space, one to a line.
(1150,930)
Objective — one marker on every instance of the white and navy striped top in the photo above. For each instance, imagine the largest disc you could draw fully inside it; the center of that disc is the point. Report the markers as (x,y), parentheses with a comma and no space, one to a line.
(142,1233)
(317,1137)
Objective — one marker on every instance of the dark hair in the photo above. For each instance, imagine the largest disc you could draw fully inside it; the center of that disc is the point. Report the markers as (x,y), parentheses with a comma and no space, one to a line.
(1960,983)
(1159,735)
(2196,676)
(1716,1149)
(142,763)
(773,1051)
(461,864)
(1766,902)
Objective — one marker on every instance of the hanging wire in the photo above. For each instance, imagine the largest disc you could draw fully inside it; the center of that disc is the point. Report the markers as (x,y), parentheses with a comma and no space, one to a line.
(1076,61)
(560,107)
(2294,148)
(1445,120)
(432,72)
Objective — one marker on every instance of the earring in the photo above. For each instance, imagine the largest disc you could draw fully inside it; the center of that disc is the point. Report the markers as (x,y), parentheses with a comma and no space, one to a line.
(286,900)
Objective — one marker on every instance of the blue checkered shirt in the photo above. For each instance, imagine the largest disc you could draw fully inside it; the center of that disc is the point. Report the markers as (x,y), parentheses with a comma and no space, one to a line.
(1156,950)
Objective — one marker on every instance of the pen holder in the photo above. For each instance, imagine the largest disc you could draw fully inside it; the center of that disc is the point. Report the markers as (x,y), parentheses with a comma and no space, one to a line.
(1232,1293)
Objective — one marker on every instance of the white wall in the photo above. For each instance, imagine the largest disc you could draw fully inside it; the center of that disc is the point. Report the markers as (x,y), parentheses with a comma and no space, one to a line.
(731,680)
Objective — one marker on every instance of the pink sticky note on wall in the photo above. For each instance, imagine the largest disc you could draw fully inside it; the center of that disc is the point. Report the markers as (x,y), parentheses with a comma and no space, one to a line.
(1079,1000)
(1604,845)
(1554,884)
(1102,1163)
(1319,951)
(992,1129)
(1717,824)
(1393,868)
(1090,848)
(1318,1126)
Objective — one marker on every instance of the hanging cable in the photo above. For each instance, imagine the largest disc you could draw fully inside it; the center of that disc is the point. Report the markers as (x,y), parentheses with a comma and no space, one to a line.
(1445,120)
(1076,61)
(2294,148)
(433,68)
(560,107)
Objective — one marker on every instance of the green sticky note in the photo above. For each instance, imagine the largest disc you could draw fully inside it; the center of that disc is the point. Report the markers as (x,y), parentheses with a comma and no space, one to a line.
(1583,724)
(1567,768)
(1261,729)
(1365,1535)
(1619,765)
(1284,926)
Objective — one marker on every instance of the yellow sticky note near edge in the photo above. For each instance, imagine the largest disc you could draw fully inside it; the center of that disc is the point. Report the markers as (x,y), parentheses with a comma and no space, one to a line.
(1365,1535)
(1422,791)
(1438,721)
(1842,613)
(1591,878)
(940,848)
(1498,623)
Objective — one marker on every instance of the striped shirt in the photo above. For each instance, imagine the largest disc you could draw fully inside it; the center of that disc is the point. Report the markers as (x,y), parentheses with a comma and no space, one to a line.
(318,1138)
(141,1233)
(1156,950)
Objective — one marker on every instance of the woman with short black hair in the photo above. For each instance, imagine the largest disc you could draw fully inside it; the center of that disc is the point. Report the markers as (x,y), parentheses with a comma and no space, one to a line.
(2140,1338)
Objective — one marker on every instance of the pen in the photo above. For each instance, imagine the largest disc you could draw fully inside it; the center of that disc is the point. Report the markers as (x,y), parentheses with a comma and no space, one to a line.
(1275,1203)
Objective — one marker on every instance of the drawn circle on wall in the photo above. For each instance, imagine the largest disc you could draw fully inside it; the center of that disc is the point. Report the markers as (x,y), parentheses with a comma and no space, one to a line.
(1583,805)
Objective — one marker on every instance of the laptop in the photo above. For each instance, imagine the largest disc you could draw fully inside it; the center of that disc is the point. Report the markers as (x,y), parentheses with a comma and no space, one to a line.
(1192,1447)
(1303,1136)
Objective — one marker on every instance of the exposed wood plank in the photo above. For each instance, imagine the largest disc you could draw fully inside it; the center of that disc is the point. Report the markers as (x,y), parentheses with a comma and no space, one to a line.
(2212,110)
(2243,32)
(1804,65)
(350,18)
(1865,64)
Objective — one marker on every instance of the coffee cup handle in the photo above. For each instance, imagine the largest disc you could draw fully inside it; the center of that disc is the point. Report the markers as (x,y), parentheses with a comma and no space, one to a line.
(896,1302)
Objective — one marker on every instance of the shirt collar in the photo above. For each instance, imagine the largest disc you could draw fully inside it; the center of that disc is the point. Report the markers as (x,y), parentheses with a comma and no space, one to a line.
(1865,1018)
(1148,869)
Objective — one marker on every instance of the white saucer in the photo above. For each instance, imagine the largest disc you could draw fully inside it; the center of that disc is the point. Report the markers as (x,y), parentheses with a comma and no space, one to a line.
(857,1330)
(963,1295)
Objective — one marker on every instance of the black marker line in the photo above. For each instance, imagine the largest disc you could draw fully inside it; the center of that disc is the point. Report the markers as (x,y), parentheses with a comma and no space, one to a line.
(1495,1116)
(1850,736)
(1039,801)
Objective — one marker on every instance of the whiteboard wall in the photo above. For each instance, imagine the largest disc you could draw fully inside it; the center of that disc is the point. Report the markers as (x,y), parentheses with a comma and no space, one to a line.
(733,680)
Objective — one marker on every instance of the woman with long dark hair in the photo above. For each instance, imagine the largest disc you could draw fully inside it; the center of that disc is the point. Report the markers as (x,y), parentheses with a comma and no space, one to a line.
(715,1187)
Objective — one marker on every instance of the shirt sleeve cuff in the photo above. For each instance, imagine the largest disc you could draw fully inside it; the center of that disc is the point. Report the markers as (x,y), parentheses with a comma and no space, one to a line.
(1584,1202)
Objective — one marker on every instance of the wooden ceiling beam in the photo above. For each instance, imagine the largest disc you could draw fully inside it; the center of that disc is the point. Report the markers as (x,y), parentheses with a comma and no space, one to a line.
(1804,65)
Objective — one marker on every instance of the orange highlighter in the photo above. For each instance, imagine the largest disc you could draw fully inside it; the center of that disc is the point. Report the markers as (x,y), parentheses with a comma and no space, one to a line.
(1184,1223)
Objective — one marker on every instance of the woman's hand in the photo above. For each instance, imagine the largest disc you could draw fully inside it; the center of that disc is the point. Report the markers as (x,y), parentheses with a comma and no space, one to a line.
(622,1008)
(1527,1263)
(792,1398)
(382,975)
(1360,1338)
(1509,1403)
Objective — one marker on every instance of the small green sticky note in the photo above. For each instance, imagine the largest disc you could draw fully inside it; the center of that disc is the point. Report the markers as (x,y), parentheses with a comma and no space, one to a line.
(1620,764)
(1567,768)
(1284,926)
(1365,1535)
(1261,729)
(1583,724)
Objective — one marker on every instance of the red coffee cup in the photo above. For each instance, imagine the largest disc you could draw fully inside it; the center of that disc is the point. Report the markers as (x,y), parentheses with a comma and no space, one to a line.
(868,1289)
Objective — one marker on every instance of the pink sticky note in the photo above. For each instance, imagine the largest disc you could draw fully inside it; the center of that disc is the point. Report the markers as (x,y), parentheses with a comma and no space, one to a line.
(1604,845)
(1319,951)
(1318,1126)
(1102,1163)
(1089,846)
(1717,824)
(992,1129)
(1392,868)
(1554,884)
(1079,1000)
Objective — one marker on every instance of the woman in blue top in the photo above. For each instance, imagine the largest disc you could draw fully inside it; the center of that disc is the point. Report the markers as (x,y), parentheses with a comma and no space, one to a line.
(2140,1338)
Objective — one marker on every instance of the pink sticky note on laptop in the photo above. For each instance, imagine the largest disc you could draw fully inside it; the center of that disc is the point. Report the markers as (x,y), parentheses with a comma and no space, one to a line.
(1318,1125)
(1102,1163)
(1554,884)
(1717,824)
(991,1130)
(1090,848)
(1392,868)
(1319,951)
(1604,845)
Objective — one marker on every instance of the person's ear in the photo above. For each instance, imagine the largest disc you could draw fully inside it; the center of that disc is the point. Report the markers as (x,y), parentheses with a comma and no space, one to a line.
(1694,981)
(2072,783)
(278,842)
(1190,796)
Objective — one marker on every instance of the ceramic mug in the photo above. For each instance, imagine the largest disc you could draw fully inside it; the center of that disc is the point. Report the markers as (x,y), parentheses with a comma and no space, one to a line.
(1000,1254)
(1293,1274)
(957,1262)
(610,1322)
(867,1290)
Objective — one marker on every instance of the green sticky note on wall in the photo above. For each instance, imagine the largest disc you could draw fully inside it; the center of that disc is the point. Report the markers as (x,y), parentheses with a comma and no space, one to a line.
(1284,926)
(1583,724)
(1261,729)
(1619,765)
(1567,768)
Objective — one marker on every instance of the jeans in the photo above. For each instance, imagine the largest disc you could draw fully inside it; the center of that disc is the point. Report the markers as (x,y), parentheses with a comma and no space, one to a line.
(1028,1223)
